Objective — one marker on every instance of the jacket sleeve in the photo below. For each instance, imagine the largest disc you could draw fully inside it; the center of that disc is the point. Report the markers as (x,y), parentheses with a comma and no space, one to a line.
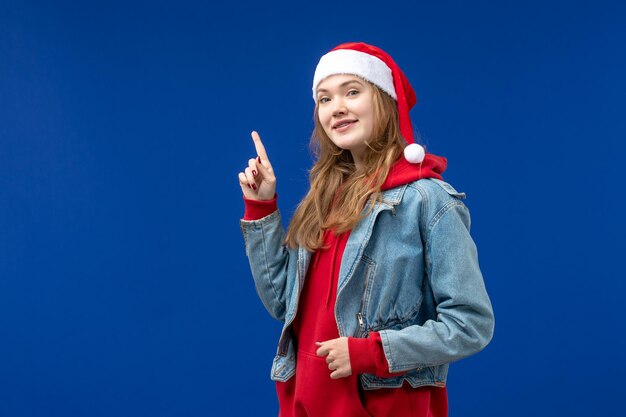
(270,261)
(465,322)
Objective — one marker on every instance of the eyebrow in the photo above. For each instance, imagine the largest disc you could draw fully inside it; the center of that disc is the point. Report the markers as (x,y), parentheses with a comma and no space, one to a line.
(323,90)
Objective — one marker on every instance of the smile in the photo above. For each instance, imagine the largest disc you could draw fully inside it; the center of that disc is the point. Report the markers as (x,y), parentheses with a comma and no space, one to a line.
(343,125)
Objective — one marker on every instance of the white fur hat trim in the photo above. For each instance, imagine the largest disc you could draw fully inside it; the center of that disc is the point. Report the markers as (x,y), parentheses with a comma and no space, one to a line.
(347,61)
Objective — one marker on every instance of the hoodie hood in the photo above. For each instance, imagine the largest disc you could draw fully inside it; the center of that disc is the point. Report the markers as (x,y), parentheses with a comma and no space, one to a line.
(403,172)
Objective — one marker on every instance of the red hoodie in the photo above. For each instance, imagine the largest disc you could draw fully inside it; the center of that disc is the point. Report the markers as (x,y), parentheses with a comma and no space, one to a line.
(311,392)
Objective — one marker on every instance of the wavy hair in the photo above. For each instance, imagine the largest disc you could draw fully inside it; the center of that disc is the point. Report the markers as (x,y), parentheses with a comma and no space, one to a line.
(339,191)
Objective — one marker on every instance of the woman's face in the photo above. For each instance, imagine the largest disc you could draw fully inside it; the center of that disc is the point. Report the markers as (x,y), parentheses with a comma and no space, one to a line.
(346,112)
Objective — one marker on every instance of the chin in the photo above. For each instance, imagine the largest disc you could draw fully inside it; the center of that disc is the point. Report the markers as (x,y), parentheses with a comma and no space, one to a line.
(347,143)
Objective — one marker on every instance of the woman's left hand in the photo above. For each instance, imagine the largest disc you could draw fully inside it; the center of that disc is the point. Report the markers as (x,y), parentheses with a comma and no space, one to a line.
(337,356)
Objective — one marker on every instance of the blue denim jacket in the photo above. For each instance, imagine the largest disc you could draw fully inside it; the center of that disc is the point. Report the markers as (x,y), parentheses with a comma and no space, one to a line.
(409,271)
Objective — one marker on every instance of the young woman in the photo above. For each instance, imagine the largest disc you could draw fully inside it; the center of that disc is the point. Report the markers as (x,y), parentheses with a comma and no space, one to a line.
(377,278)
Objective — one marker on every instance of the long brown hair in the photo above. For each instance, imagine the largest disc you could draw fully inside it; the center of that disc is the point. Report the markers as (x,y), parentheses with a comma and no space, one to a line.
(339,191)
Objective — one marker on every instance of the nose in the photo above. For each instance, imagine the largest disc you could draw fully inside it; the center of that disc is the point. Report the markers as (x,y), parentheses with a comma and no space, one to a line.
(339,107)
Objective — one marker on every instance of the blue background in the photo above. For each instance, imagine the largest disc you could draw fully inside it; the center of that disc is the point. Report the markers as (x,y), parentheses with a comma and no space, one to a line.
(124,286)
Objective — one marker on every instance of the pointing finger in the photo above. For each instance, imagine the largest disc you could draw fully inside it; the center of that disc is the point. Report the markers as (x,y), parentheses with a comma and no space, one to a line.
(260,149)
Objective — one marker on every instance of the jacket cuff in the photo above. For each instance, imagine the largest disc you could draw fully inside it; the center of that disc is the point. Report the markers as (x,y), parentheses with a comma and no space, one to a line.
(257,209)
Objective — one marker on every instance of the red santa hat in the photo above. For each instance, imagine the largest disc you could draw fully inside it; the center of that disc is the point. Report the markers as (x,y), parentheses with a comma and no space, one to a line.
(376,66)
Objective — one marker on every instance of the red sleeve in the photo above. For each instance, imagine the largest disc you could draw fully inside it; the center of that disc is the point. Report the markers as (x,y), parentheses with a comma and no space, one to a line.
(257,209)
(367,356)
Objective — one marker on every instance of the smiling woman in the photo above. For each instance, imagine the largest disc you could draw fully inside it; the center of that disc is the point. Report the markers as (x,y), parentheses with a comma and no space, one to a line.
(377,279)
(346,113)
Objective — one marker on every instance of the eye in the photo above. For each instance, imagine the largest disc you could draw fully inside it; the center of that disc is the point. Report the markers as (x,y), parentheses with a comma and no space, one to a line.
(324,100)
(353,92)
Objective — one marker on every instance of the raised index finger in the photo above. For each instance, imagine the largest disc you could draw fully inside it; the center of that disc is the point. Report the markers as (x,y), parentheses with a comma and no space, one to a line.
(260,149)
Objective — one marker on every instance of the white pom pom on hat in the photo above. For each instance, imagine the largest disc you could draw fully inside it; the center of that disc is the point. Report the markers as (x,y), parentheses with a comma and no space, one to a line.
(376,66)
(414,153)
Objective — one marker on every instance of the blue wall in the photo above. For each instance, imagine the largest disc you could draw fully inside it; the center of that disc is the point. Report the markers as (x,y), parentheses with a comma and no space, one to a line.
(124,286)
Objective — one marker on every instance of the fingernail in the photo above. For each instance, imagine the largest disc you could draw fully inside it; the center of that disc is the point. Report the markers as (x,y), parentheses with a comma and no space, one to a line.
(258,158)
(254,187)
(249,186)
(253,173)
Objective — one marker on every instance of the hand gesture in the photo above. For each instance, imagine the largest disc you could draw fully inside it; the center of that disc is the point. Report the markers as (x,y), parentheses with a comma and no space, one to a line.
(258,181)
(337,356)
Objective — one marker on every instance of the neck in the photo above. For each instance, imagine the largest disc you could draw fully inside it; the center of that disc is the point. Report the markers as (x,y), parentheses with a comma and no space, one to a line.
(358,159)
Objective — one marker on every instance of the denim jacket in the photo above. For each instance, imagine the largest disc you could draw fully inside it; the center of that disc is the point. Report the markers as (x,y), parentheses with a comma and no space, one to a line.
(409,271)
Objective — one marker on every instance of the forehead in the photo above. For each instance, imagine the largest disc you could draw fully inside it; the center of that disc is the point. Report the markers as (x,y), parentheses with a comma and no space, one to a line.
(338,80)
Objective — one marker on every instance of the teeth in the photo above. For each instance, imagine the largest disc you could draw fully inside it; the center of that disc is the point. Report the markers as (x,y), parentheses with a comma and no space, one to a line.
(343,124)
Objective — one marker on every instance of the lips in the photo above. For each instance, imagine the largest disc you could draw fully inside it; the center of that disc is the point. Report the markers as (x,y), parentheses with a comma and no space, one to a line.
(343,123)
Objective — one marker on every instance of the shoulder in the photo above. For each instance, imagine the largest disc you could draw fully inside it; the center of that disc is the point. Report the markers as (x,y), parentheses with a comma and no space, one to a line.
(428,189)
(434,190)
(429,196)
(433,198)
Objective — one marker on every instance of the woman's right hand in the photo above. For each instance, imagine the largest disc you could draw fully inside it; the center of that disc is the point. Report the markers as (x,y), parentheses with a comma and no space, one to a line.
(258,181)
